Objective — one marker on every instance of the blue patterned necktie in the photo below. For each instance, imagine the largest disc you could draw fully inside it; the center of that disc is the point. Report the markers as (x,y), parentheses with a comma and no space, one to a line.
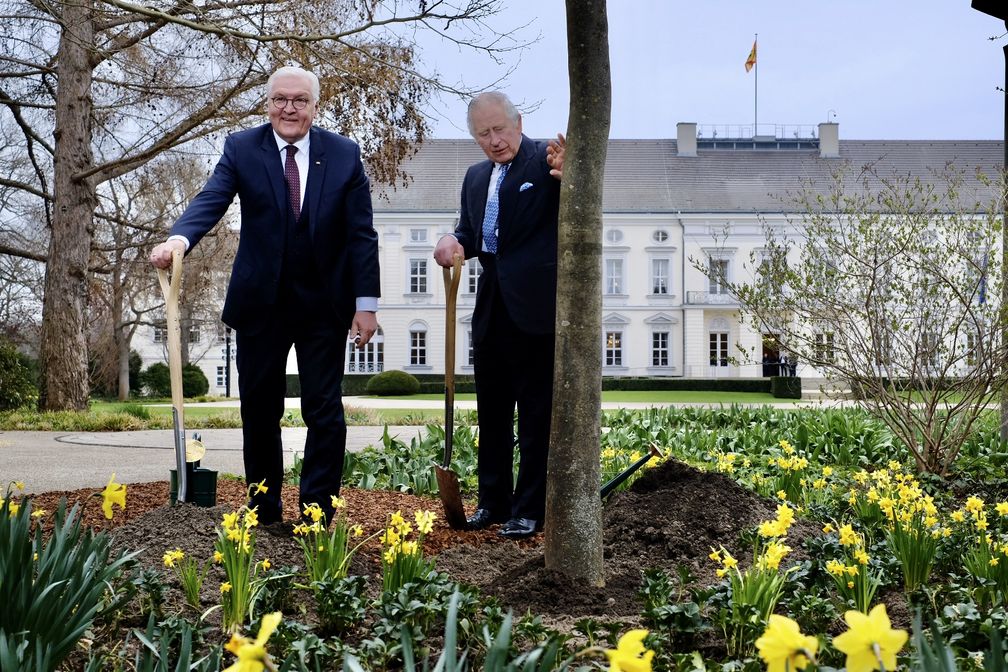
(492,210)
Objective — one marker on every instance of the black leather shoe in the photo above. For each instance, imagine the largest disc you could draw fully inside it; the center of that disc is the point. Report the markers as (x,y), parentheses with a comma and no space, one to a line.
(519,528)
(482,519)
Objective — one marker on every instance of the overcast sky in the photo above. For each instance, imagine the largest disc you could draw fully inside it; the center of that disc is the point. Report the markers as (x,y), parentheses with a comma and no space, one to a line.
(888,69)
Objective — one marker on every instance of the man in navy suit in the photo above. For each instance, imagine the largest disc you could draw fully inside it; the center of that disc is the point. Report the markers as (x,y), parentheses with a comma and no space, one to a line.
(509,220)
(306,273)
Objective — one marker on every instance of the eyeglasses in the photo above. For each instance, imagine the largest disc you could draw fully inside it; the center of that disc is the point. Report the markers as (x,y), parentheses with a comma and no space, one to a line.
(280,102)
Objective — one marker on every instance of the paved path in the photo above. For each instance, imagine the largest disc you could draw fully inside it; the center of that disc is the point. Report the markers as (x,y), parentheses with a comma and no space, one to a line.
(50,461)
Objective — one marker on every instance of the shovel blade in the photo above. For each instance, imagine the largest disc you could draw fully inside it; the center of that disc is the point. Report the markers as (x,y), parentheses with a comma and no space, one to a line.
(451,497)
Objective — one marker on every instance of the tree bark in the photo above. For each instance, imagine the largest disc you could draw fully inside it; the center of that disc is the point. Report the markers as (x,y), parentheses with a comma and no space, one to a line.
(573,543)
(63,358)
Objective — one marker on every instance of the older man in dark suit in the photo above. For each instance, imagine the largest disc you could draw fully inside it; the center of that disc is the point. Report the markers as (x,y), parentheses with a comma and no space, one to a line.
(509,220)
(305,273)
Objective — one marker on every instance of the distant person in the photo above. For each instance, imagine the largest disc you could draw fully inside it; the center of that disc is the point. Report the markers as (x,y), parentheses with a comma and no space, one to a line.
(305,273)
(508,219)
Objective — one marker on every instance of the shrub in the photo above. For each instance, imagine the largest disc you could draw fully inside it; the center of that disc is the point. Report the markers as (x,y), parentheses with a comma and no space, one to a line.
(17,387)
(157,380)
(785,387)
(194,381)
(135,376)
(389,383)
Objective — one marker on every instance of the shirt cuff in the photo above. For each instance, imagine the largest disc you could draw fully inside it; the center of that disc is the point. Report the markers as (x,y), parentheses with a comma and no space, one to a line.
(367,303)
(184,240)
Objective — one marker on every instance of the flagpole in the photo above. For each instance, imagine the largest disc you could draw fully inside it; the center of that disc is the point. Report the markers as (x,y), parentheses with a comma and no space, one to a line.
(755,127)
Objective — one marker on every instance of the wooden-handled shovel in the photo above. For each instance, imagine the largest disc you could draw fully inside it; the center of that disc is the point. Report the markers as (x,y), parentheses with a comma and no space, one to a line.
(170,289)
(447,480)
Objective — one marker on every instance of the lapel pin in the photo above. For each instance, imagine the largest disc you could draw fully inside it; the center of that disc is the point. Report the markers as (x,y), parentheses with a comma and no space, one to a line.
(318,163)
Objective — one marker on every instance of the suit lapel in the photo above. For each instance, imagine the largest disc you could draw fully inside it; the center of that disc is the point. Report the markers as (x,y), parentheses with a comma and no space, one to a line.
(274,172)
(478,198)
(316,176)
(515,175)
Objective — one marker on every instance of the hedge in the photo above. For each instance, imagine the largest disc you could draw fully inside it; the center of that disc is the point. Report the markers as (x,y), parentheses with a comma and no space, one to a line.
(355,384)
(785,387)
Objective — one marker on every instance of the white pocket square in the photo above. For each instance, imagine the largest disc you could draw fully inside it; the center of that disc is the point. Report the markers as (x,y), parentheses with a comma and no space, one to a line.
(525,185)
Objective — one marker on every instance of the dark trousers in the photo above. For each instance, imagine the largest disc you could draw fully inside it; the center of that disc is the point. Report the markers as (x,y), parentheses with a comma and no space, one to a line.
(513,368)
(320,346)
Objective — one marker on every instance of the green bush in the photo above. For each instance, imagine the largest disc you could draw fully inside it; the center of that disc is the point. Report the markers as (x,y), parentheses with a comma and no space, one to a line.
(157,380)
(393,383)
(194,381)
(17,386)
(785,387)
(135,376)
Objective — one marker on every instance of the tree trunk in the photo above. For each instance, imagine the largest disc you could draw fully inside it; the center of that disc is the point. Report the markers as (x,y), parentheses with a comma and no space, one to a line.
(64,346)
(120,330)
(573,527)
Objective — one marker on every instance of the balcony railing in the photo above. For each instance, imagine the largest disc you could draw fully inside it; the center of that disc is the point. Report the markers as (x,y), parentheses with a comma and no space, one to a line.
(711,298)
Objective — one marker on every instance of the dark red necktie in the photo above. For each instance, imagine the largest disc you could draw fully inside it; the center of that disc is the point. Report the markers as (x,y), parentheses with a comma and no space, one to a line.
(293,181)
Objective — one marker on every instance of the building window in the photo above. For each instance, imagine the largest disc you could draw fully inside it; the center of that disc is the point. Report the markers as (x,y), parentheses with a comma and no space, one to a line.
(719,348)
(220,377)
(161,332)
(930,346)
(823,347)
(370,358)
(613,276)
(473,271)
(418,235)
(659,348)
(194,334)
(659,236)
(418,276)
(972,348)
(614,348)
(471,352)
(718,276)
(418,348)
(659,276)
(613,236)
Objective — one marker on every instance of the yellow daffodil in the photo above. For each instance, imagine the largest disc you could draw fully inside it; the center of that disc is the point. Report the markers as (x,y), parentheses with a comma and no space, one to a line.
(781,494)
(1001,508)
(870,641)
(218,557)
(225,587)
(266,563)
(171,557)
(114,493)
(827,472)
(848,537)
(715,556)
(338,502)
(357,530)
(261,486)
(958,516)
(783,647)
(424,521)
(630,654)
(827,528)
(252,655)
(39,513)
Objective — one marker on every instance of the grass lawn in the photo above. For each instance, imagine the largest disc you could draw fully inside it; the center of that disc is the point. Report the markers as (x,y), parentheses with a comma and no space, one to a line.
(219,415)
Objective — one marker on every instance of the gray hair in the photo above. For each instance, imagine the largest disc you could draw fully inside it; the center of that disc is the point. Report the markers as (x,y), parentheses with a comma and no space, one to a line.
(299,72)
(497,97)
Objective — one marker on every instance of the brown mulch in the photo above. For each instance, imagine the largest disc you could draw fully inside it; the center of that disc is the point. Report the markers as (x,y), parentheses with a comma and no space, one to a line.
(673,515)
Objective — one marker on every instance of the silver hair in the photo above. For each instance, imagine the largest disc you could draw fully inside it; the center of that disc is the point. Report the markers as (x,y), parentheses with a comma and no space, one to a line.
(498,97)
(300,72)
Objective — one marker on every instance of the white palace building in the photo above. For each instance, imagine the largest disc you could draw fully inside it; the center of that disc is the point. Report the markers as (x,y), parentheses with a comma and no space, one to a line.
(703,196)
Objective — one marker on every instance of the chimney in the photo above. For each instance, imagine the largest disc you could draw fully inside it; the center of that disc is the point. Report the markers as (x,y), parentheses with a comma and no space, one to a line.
(686,138)
(829,140)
